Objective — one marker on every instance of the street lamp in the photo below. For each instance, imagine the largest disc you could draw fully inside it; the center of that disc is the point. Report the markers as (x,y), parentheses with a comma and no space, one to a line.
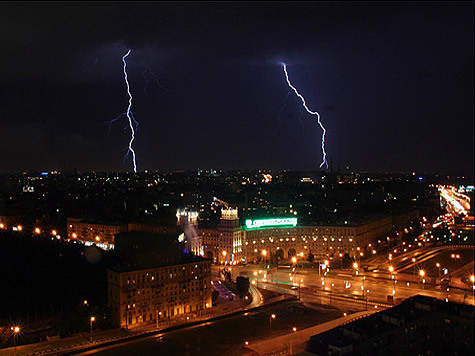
(299,287)
(270,321)
(331,292)
(391,269)
(438,266)
(422,274)
(16,331)
(92,320)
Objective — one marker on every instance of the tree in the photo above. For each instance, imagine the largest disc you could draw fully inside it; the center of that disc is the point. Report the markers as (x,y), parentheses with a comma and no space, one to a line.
(310,257)
(214,296)
(227,276)
(242,285)
(347,261)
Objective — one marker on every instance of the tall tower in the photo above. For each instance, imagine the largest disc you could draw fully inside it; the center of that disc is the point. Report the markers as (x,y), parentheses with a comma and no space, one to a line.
(189,221)
(229,218)
(229,235)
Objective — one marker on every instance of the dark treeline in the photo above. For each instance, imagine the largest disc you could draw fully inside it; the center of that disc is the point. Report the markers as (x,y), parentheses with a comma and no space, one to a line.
(40,274)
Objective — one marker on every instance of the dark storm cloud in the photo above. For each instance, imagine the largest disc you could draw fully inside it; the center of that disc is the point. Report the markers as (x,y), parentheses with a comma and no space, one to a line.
(394,71)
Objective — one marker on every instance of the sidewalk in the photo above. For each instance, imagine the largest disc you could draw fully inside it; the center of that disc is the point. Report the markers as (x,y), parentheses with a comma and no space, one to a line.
(295,340)
(47,347)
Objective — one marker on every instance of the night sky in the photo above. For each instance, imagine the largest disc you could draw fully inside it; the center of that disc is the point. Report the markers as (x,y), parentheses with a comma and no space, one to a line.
(393,83)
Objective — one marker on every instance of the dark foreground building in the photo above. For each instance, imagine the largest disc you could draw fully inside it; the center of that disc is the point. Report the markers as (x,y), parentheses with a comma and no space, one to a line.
(418,326)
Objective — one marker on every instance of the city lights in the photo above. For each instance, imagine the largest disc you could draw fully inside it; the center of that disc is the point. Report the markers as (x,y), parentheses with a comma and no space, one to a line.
(188,228)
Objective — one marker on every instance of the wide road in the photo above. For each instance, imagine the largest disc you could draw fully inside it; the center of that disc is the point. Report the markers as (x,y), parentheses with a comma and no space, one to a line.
(371,286)
(226,336)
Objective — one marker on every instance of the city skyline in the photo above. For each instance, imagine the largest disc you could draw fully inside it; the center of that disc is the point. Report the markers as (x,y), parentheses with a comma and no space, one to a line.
(393,83)
(237,178)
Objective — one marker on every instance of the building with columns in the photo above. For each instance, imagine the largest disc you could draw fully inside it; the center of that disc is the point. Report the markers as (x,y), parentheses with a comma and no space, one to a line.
(232,242)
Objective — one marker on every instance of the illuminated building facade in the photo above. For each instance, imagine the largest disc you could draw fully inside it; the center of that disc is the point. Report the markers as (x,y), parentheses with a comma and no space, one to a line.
(94,232)
(284,237)
(103,234)
(146,295)
(223,243)
(188,221)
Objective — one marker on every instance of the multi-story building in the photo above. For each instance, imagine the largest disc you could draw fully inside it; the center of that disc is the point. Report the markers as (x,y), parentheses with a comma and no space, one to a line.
(101,233)
(419,325)
(223,243)
(403,219)
(187,221)
(156,227)
(230,241)
(156,280)
(91,232)
(285,238)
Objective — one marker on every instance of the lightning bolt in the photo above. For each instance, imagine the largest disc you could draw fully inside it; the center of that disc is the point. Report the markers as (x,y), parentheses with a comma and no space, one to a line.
(157,81)
(118,117)
(146,82)
(324,158)
(129,114)
(159,85)
(302,129)
(281,112)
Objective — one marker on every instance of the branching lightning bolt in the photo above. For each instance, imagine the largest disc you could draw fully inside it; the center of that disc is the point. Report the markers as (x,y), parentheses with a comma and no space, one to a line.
(130,116)
(159,85)
(155,76)
(146,82)
(281,112)
(118,117)
(324,158)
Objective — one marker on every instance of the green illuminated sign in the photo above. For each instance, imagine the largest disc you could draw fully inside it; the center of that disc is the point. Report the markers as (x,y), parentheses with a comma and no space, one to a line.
(265,223)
